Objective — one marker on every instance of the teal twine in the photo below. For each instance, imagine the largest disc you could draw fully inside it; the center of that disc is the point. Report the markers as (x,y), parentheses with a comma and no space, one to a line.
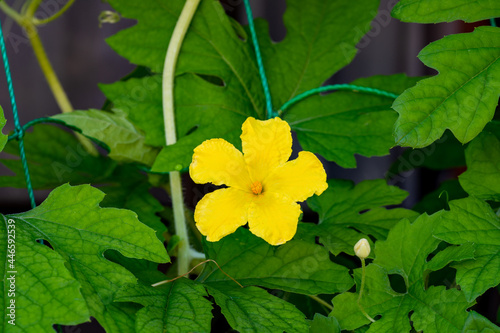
(31,123)
(492,22)
(263,78)
(17,125)
(350,87)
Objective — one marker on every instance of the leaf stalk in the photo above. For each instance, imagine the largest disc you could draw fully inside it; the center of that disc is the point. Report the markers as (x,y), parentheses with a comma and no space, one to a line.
(363,270)
(184,250)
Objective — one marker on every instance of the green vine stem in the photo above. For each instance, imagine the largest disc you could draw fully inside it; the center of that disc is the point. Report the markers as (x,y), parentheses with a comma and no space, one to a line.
(361,291)
(322,302)
(11,12)
(27,21)
(56,15)
(185,253)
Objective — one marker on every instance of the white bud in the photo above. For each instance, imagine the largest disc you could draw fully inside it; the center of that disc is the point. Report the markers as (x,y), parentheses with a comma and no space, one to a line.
(362,248)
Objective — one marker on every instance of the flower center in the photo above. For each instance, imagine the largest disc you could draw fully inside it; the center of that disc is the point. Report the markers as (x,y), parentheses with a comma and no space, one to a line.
(257,188)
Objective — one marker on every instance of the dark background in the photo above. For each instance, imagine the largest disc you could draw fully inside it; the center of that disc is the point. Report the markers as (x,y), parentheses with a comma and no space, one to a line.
(76,46)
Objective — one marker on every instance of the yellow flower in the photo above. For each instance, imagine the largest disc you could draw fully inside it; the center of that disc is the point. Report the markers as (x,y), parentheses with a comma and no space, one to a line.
(263,188)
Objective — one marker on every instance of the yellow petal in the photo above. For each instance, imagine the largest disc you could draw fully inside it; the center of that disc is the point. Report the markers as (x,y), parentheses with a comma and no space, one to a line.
(298,179)
(221,212)
(219,162)
(274,218)
(266,145)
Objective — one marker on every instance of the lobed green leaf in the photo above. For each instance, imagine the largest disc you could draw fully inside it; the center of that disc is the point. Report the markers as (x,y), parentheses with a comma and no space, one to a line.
(341,124)
(125,142)
(431,11)
(55,157)
(79,231)
(178,307)
(348,213)
(431,309)
(462,97)
(254,310)
(472,220)
(297,266)
(482,177)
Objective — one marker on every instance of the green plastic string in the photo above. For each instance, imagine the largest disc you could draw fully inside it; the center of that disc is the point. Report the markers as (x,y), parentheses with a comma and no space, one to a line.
(31,123)
(350,87)
(265,85)
(17,125)
(263,78)
(493,23)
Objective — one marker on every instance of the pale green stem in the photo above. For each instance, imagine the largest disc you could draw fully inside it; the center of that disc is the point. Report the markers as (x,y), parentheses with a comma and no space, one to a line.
(184,250)
(56,15)
(51,77)
(322,302)
(361,291)
(32,7)
(10,12)
(48,71)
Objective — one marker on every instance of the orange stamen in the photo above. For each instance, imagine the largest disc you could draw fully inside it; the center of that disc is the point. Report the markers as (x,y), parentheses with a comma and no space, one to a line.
(257,188)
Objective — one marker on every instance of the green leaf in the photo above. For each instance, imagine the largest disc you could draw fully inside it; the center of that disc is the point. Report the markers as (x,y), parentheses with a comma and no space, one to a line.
(3,137)
(297,266)
(35,279)
(432,310)
(213,48)
(482,178)
(430,11)
(346,210)
(439,199)
(79,231)
(443,154)
(125,142)
(145,271)
(341,124)
(177,307)
(322,324)
(451,253)
(472,220)
(319,42)
(141,100)
(135,196)
(462,97)
(478,324)
(252,309)
(55,157)
(195,114)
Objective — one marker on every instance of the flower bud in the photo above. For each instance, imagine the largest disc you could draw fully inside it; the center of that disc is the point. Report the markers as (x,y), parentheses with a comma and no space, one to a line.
(362,248)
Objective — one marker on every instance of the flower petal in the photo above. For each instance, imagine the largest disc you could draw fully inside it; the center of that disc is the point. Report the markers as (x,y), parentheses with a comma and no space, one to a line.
(266,145)
(219,162)
(298,179)
(274,218)
(221,212)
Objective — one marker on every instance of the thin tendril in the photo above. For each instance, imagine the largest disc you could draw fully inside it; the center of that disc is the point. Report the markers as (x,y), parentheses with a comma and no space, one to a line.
(322,302)
(56,15)
(192,269)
